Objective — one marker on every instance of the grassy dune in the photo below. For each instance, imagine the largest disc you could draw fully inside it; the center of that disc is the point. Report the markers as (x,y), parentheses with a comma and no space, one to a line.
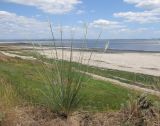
(22,85)
(139,79)
(97,95)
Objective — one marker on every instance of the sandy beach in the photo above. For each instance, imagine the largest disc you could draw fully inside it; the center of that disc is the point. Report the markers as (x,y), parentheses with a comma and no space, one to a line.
(139,62)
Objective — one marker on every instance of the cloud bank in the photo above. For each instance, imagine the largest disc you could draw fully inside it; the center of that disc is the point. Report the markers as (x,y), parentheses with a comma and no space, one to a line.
(13,25)
(103,23)
(50,6)
(147,4)
(151,14)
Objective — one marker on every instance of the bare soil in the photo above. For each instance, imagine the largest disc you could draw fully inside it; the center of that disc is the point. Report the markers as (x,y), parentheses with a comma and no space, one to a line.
(41,116)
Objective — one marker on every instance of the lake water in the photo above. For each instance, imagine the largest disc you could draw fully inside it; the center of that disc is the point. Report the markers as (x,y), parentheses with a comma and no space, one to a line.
(117,44)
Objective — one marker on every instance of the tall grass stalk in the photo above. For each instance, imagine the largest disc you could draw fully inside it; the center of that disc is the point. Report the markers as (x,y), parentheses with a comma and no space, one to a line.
(62,82)
(8,95)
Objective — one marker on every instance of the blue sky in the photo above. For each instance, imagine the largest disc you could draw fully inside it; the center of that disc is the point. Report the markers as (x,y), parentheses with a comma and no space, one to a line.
(28,19)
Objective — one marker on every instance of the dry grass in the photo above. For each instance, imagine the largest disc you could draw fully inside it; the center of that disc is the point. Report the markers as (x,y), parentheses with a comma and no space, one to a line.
(8,95)
(140,112)
(4,58)
(137,112)
(41,116)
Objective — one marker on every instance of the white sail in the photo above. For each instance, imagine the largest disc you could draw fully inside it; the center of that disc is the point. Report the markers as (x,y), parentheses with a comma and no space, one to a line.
(106,46)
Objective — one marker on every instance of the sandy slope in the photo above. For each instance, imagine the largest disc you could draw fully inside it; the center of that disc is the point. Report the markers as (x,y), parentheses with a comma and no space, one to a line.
(129,86)
(147,63)
(19,56)
(139,62)
(66,54)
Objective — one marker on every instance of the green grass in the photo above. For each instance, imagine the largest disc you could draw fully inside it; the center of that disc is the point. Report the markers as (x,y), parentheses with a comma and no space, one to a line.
(142,80)
(139,79)
(124,76)
(100,95)
(97,95)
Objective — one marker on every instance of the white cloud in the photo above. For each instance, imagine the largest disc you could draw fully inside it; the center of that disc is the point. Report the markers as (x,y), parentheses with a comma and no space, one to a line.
(14,25)
(151,14)
(148,4)
(19,27)
(50,6)
(102,23)
(113,29)
(138,30)
(139,33)
(80,12)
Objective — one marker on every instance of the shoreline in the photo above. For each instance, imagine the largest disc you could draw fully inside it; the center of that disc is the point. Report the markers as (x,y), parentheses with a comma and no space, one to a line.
(27,46)
(131,61)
